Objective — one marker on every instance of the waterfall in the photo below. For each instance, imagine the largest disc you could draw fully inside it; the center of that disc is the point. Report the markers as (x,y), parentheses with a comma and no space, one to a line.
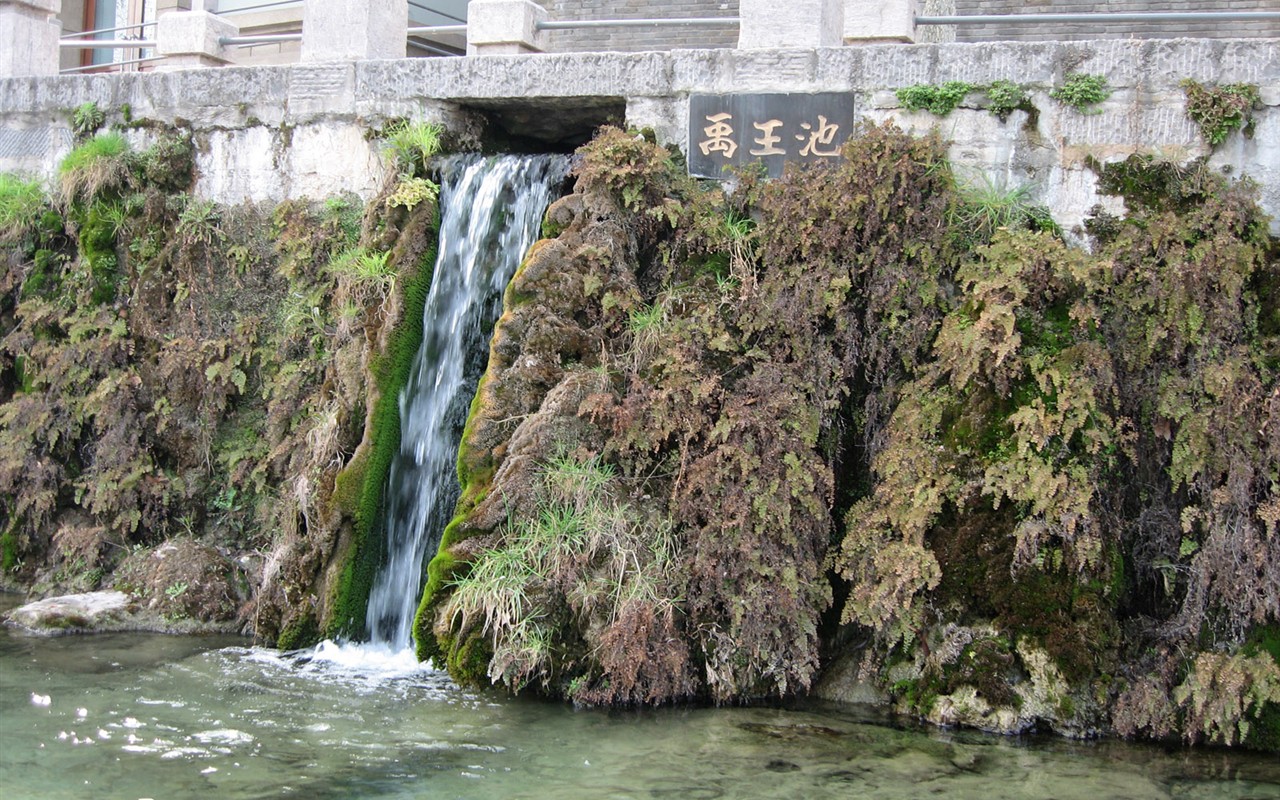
(491,213)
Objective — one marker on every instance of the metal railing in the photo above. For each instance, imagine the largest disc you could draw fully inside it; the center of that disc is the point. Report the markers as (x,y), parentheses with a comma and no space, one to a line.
(110,65)
(266,38)
(1101,18)
(83,40)
(568,25)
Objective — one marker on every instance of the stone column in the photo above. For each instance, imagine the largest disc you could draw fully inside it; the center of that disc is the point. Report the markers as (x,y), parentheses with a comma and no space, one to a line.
(354,30)
(190,39)
(29,33)
(505,27)
(800,23)
(880,20)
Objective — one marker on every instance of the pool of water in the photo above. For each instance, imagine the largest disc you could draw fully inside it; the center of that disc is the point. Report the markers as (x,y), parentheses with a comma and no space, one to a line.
(143,716)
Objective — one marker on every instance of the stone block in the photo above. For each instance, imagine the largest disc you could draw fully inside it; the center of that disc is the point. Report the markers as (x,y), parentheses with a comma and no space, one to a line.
(189,39)
(504,27)
(354,30)
(880,20)
(803,23)
(29,32)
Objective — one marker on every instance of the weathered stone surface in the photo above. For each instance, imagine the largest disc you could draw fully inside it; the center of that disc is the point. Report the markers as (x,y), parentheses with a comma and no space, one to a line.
(192,39)
(808,23)
(73,612)
(269,133)
(342,30)
(30,34)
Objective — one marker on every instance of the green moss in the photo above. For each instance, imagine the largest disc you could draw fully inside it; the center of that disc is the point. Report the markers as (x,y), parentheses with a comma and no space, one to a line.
(1264,732)
(98,250)
(475,473)
(302,632)
(9,547)
(469,663)
(361,486)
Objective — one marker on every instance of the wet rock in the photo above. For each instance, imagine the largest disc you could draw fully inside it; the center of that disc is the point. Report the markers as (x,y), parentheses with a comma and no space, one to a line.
(73,613)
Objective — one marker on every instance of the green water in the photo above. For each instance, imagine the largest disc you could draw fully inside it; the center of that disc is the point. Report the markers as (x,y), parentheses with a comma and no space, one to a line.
(140,716)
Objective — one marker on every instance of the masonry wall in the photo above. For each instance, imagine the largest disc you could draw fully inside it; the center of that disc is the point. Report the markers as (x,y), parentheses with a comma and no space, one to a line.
(269,133)
(1126,30)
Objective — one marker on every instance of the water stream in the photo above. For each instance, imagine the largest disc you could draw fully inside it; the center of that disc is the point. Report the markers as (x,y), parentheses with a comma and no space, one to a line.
(144,716)
(491,213)
(129,716)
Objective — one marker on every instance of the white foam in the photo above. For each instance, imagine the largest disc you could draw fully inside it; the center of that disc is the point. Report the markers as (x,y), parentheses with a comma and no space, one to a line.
(378,661)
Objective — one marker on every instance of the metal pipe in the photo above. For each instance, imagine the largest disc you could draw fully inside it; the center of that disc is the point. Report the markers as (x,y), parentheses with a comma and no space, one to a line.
(429,30)
(565,25)
(1101,18)
(266,38)
(109,65)
(107,44)
(113,30)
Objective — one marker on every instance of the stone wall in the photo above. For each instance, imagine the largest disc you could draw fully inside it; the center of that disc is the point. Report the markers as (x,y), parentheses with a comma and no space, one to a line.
(1119,30)
(269,133)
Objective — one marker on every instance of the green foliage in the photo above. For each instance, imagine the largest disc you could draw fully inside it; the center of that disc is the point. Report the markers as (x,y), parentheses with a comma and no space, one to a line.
(581,564)
(361,484)
(97,166)
(1005,97)
(985,207)
(1219,110)
(1222,693)
(198,222)
(86,119)
(410,146)
(21,202)
(168,165)
(940,100)
(634,171)
(409,192)
(1081,91)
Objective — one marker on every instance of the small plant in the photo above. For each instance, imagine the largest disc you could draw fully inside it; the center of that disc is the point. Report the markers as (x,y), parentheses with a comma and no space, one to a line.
(175,590)
(1082,91)
(1005,97)
(344,212)
(20,204)
(940,100)
(986,207)
(86,120)
(198,222)
(410,145)
(410,192)
(94,167)
(1219,110)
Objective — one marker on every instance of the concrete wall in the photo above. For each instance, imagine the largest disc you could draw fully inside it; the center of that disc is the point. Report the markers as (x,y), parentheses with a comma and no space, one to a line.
(274,132)
(1126,30)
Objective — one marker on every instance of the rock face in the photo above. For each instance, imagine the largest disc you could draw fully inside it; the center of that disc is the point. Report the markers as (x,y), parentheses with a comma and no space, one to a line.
(858,424)
(75,613)
(184,580)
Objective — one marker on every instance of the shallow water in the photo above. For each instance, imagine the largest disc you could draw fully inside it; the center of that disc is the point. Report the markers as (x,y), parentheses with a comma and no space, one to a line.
(142,716)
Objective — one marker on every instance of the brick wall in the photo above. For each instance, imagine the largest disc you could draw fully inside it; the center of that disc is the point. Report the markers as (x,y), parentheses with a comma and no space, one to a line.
(1068,32)
(636,39)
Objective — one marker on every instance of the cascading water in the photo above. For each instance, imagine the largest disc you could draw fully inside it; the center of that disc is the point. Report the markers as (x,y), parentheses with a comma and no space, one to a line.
(491,213)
